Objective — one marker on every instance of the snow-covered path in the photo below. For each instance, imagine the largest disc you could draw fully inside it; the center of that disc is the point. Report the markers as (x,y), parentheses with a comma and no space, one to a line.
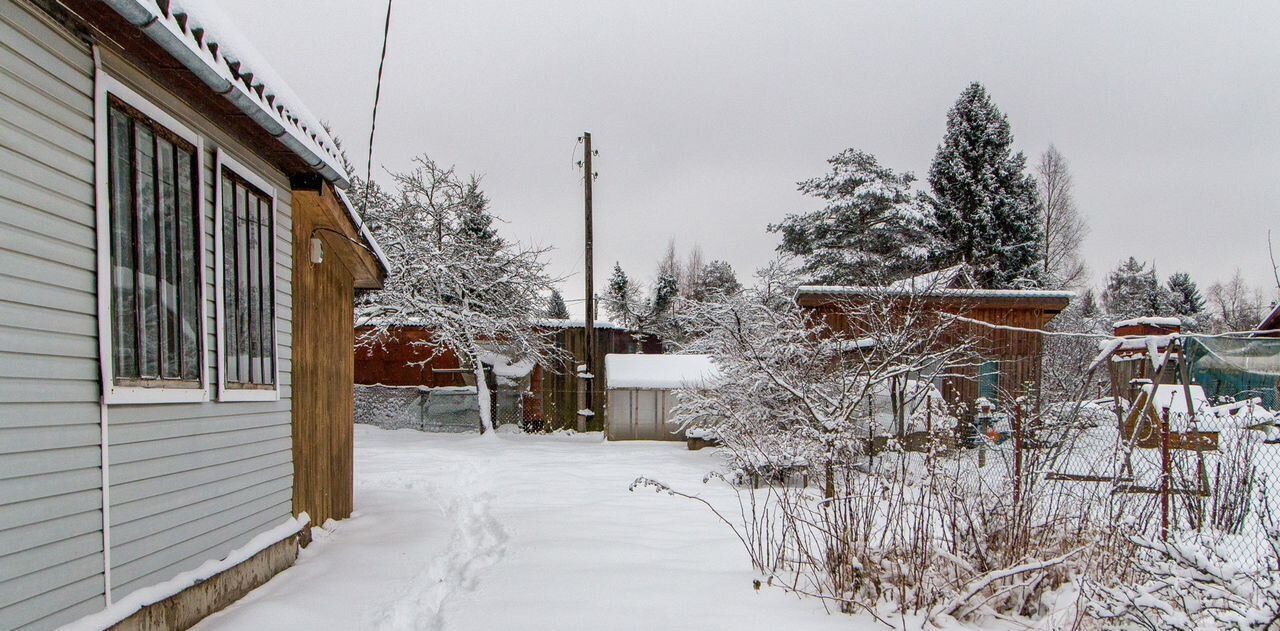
(523,532)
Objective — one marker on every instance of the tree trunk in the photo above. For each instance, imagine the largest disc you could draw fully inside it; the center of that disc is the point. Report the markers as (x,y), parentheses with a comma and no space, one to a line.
(482,394)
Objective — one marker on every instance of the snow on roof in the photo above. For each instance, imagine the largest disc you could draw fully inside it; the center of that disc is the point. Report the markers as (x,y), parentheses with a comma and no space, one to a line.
(937,279)
(850,290)
(659,372)
(1150,321)
(578,323)
(504,367)
(374,248)
(1272,321)
(204,38)
(200,35)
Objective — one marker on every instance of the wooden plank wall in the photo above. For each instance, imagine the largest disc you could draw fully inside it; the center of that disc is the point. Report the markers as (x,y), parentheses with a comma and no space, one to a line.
(1019,353)
(559,392)
(323,374)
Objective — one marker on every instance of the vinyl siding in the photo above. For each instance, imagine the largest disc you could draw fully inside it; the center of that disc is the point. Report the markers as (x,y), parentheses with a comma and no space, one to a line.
(193,481)
(51,561)
(189,482)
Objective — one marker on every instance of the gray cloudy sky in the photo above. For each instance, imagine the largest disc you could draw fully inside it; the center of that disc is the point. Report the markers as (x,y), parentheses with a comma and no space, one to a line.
(705,114)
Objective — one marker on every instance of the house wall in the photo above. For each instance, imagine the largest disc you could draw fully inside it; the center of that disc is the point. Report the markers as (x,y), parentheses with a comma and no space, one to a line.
(51,561)
(324,420)
(193,481)
(188,482)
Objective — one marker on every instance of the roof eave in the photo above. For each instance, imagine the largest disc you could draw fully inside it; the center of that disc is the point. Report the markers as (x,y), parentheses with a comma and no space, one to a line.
(159,30)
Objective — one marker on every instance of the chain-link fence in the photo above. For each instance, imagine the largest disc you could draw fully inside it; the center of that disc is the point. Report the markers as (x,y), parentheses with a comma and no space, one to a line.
(1208,475)
(455,409)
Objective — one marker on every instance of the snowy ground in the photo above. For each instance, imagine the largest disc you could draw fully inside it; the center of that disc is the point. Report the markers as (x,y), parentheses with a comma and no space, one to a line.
(524,532)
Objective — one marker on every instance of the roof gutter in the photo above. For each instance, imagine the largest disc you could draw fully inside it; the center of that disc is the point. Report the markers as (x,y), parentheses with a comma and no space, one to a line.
(146,20)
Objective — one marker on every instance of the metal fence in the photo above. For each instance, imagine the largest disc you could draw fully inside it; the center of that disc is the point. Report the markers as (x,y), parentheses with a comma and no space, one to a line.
(1209,475)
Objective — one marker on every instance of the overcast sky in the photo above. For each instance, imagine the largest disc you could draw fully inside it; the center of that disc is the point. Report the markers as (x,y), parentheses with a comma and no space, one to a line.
(706,114)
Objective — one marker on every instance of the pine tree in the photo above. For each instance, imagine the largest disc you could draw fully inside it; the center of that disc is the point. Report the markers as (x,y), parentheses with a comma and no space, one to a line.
(556,308)
(865,234)
(984,210)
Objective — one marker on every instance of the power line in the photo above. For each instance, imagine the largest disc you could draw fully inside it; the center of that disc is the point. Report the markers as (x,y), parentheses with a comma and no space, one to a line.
(373,123)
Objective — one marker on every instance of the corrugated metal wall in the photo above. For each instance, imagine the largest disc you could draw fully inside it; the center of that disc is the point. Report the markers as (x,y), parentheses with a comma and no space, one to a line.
(190,482)
(50,459)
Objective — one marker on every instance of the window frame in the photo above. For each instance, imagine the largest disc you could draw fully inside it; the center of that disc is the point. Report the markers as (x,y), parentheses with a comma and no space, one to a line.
(113,394)
(226,391)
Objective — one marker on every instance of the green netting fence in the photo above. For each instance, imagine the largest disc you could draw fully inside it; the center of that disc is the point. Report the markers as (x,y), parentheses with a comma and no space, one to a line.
(1239,368)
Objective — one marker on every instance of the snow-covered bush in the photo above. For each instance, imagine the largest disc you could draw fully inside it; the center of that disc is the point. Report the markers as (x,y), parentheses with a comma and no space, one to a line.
(1189,583)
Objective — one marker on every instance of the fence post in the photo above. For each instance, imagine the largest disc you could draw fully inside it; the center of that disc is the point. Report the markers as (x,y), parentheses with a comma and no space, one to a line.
(1164,476)
(1017,459)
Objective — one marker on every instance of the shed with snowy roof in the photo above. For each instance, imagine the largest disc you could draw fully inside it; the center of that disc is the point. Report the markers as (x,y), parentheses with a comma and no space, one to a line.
(642,389)
(179,264)
(1004,324)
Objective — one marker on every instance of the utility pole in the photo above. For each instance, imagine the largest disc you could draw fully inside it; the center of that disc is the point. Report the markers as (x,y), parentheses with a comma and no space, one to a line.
(590,332)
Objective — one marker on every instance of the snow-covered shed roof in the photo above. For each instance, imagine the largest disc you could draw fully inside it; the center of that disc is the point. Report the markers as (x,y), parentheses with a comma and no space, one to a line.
(659,372)
(579,323)
(1149,321)
(812,291)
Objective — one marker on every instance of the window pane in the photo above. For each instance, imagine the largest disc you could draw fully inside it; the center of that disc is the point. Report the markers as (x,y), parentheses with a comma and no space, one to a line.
(167,184)
(253,329)
(265,290)
(124,308)
(148,266)
(242,285)
(189,226)
(989,380)
(230,349)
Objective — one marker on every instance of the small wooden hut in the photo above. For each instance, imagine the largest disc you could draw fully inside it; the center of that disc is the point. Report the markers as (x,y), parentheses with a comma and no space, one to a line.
(1009,342)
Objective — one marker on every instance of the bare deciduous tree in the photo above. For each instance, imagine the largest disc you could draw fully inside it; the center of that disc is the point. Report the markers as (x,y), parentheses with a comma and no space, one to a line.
(1064,227)
(1236,306)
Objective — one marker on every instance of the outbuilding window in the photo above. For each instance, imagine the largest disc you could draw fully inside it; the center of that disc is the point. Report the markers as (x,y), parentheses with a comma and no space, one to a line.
(989,381)
(246,283)
(154,242)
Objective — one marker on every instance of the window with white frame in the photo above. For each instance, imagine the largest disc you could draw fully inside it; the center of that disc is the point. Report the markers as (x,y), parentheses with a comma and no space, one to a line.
(155,264)
(246,279)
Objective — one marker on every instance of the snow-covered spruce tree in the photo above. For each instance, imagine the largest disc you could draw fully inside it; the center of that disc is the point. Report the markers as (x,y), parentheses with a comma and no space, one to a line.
(1134,291)
(984,209)
(619,297)
(556,308)
(455,276)
(719,281)
(1185,300)
(643,315)
(866,233)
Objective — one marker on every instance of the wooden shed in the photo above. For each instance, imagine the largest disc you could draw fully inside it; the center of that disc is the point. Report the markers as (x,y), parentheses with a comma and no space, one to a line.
(1008,342)
(642,390)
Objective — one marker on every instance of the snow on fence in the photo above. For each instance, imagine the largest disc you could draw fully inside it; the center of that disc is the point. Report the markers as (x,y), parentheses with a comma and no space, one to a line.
(449,410)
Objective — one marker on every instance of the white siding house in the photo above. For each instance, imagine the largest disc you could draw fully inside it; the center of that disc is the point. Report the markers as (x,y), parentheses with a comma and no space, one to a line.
(146,319)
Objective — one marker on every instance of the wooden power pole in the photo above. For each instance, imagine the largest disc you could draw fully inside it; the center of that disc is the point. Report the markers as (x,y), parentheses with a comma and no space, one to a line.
(590,330)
